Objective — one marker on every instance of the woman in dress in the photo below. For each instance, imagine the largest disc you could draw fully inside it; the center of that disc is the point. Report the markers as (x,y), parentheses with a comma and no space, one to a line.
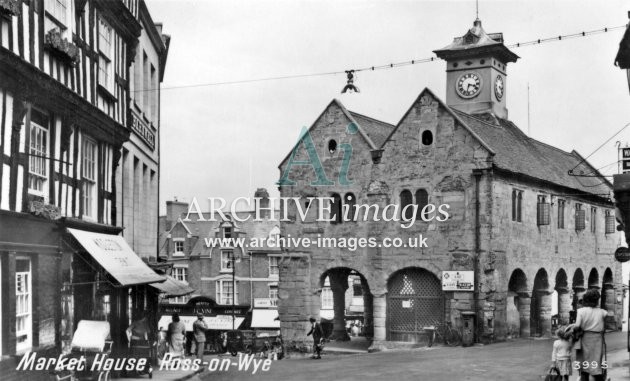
(176,336)
(590,319)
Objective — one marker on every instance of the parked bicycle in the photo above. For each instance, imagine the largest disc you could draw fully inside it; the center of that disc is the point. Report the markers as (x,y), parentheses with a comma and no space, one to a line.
(445,333)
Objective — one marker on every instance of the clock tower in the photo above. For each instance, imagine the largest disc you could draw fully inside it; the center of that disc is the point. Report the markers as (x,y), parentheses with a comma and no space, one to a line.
(476,72)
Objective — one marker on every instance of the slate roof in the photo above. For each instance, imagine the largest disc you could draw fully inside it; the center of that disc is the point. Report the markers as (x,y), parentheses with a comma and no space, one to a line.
(377,130)
(516,152)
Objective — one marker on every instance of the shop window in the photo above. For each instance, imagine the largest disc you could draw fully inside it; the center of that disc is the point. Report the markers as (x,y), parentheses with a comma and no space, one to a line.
(23,305)
(580,217)
(542,213)
(610,222)
(38,154)
(561,206)
(89,169)
(226,292)
(517,204)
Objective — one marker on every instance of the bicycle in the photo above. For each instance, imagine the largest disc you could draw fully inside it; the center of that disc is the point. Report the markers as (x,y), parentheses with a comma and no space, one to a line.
(447,334)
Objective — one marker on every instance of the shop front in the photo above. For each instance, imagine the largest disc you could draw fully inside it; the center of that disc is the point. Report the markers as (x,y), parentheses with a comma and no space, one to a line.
(218,318)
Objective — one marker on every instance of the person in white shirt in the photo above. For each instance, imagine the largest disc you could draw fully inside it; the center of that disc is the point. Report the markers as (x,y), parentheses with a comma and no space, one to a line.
(561,353)
(590,319)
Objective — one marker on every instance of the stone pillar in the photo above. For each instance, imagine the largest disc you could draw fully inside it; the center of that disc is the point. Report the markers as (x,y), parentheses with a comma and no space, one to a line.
(368,314)
(544,312)
(524,308)
(608,293)
(339,285)
(579,293)
(380,314)
(564,305)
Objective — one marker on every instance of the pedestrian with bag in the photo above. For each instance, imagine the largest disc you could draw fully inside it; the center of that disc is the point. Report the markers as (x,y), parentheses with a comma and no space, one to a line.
(591,355)
(318,336)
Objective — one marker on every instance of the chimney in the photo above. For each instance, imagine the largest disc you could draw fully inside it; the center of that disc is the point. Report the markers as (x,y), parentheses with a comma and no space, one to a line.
(263,204)
(174,210)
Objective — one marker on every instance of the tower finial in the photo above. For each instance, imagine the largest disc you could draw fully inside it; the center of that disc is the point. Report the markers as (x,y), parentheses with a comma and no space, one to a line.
(477,9)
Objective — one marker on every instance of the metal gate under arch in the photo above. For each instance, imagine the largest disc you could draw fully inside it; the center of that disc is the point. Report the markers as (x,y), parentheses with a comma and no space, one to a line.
(414,300)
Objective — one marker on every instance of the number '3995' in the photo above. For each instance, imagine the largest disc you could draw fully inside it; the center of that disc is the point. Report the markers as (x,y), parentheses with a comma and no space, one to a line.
(587,365)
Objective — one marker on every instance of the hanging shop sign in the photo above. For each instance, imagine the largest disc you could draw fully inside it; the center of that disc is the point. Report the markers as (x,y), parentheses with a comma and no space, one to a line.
(458,280)
(622,254)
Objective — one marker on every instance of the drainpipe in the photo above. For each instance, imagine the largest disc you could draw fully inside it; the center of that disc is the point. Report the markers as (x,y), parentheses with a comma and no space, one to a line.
(477,173)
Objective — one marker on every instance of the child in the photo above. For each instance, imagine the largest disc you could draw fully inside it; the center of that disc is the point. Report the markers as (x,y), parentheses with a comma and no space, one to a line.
(561,353)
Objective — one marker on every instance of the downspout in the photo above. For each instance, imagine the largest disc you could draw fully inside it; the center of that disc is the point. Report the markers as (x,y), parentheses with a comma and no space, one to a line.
(477,173)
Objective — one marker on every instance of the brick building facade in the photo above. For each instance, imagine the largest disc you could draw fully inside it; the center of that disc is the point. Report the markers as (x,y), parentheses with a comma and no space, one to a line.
(209,269)
(532,234)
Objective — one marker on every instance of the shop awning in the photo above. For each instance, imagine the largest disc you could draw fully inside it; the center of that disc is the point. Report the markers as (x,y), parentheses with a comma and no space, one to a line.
(219,322)
(114,254)
(265,319)
(173,287)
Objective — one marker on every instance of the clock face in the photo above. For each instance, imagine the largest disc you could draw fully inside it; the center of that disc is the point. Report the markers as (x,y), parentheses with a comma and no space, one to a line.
(468,85)
(499,87)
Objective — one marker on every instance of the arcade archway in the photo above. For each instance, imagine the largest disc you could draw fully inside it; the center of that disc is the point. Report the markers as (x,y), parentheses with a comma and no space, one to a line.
(518,304)
(414,300)
(541,305)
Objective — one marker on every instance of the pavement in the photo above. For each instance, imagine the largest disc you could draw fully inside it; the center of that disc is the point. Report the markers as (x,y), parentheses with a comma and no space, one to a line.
(519,360)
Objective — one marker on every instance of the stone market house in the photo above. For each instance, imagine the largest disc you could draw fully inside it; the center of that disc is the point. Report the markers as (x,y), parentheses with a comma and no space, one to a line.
(532,234)
(64,117)
(209,271)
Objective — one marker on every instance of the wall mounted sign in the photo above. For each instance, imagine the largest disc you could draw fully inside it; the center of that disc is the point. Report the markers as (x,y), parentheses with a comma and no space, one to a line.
(458,280)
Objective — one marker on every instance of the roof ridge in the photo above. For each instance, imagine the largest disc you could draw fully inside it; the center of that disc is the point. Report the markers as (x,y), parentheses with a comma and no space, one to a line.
(474,117)
(369,117)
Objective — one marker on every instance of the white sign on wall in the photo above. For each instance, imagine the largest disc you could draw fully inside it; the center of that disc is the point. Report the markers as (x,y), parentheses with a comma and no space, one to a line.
(458,280)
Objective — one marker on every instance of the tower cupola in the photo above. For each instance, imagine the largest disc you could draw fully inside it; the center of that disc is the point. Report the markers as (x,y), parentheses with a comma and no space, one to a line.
(476,71)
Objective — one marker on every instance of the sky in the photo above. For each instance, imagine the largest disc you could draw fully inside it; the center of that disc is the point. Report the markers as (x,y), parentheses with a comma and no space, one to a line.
(226,141)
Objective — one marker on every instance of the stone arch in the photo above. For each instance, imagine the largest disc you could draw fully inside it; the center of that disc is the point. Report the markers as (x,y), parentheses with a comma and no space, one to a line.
(414,300)
(564,297)
(540,310)
(608,300)
(593,279)
(579,289)
(345,296)
(518,304)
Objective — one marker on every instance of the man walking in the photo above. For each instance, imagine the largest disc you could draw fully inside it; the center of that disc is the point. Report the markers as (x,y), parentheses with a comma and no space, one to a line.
(318,334)
(199,331)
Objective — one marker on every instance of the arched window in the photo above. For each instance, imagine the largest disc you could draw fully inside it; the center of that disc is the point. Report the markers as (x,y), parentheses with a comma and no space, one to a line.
(422,200)
(335,209)
(349,207)
(406,199)
(427,138)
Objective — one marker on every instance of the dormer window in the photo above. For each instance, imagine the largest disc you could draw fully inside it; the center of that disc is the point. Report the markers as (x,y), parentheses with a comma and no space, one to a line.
(227,232)
(178,247)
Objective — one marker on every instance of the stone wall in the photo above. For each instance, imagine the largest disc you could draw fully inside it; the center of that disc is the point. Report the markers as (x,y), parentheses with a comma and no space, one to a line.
(445,169)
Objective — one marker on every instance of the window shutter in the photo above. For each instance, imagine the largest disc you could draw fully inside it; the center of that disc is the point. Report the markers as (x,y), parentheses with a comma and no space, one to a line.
(580,219)
(610,224)
(543,214)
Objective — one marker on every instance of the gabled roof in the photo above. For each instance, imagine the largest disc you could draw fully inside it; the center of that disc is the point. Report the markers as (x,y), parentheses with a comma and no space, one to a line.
(377,130)
(449,110)
(348,115)
(518,153)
